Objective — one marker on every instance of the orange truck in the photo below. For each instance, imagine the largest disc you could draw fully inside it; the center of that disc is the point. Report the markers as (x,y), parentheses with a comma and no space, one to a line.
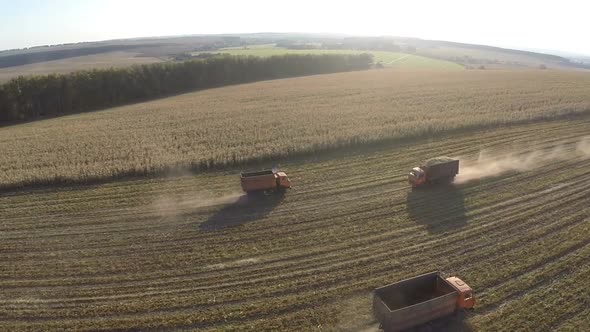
(264,181)
(435,170)
(419,300)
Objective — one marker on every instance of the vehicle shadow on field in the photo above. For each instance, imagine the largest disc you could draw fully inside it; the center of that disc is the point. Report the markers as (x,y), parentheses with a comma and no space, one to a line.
(452,323)
(440,208)
(244,210)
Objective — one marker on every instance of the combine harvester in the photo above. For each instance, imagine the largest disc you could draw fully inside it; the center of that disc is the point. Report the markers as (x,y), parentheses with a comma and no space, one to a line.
(435,170)
(264,182)
(419,300)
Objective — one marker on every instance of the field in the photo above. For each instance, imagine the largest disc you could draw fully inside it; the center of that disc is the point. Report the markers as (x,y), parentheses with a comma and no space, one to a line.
(430,54)
(146,55)
(491,57)
(273,120)
(132,218)
(388,59)
(189,253)
(87,62)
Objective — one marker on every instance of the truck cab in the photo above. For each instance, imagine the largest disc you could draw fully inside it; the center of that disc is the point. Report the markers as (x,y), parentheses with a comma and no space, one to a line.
(283,181)
(417,176)
(466,299)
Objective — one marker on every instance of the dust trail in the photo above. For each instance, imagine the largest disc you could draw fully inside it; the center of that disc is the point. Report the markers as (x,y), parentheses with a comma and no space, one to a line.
(172,205)
(583,147)
(488,165)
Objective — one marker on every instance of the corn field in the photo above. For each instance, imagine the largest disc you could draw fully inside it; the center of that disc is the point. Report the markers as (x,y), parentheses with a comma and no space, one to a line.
(270,120)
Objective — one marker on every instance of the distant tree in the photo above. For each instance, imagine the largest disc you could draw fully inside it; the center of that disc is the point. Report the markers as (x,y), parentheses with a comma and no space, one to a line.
(542,66)
(410,49)
(482,67)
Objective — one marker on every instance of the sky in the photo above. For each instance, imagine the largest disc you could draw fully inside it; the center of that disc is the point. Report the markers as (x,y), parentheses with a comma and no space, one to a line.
(548,25)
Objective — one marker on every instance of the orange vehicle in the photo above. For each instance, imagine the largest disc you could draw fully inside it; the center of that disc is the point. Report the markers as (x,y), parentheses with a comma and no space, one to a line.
(419,300)
(264,181)
(435,170)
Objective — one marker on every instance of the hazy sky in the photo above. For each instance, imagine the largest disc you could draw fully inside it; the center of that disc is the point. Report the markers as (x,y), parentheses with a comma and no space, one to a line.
(554,25)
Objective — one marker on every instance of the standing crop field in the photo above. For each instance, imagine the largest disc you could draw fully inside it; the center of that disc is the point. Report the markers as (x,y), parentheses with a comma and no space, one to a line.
(280,119)
(189,253)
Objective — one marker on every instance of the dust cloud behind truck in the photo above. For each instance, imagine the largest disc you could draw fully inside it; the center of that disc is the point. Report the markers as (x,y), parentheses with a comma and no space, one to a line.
(264,181)
(435,170)
(419,300)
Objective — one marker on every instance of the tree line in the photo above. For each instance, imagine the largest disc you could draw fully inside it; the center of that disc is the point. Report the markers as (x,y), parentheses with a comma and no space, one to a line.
(26,98)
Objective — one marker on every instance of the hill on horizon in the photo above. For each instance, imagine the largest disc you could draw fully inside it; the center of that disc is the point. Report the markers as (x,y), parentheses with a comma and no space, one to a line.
(46,59)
